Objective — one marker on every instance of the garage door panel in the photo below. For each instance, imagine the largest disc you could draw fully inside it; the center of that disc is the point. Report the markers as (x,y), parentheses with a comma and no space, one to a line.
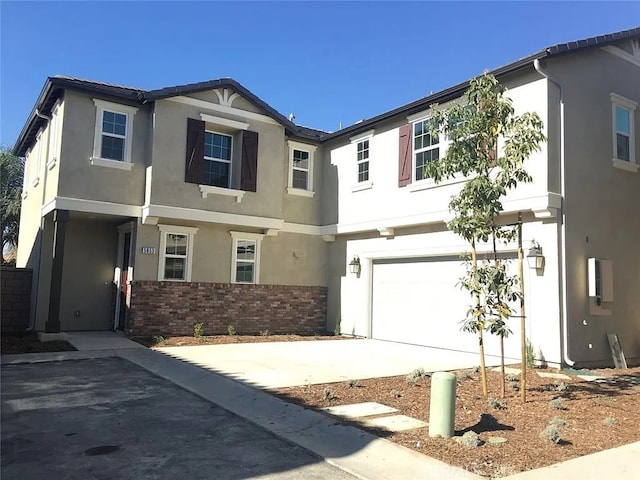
(420,302)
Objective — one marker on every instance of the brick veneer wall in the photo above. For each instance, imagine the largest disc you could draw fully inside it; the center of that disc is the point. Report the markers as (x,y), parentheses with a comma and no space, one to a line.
(172,308)
(15,297)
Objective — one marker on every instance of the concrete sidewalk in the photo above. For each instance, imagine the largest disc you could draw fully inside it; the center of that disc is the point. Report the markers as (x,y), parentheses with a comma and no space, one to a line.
(354,451)
(84,341)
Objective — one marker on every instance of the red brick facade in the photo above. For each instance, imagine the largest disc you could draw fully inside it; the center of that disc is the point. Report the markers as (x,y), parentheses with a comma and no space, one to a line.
(15,294)
(172,308)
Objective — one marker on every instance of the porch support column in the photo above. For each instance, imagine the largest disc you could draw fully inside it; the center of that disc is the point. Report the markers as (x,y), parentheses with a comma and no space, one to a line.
(60,220)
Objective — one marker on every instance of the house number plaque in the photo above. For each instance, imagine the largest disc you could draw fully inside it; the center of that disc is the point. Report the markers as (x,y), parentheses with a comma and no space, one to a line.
(148,250)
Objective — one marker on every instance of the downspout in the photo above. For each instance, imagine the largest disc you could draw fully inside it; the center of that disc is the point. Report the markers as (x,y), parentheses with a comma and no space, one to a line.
(563,226)
(32,318)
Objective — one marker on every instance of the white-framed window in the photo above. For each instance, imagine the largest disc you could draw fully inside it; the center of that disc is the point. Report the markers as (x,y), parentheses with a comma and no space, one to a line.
(426,148)
(362,160)
(113,135)
(218,148)
(245,261)
(623,112)
(301,169)
(25,177)
(176,253)
(54,135)
(36,162)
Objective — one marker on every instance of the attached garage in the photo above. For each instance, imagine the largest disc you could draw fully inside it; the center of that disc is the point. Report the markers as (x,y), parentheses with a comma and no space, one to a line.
(419,301)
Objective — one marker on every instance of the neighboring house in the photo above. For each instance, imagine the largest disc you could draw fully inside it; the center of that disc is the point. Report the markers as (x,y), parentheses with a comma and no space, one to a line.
(232,214)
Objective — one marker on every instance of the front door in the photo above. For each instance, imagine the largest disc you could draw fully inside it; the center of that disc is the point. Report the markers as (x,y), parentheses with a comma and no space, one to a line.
(123,273)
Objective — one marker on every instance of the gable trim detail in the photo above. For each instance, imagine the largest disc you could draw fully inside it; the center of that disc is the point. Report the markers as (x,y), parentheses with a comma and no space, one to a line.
(221,108)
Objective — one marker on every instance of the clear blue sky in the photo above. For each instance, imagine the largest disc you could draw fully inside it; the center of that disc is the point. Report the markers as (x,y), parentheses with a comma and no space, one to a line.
(328,62)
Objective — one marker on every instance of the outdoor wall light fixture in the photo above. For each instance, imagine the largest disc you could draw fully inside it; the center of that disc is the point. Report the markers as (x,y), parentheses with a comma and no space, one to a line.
(354,266)
(535,258)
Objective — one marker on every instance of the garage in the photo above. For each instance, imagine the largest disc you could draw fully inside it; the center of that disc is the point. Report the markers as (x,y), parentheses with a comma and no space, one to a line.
(418,301)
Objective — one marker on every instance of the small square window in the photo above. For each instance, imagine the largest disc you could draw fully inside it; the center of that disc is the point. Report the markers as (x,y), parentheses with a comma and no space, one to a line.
(113,135)
(246,255)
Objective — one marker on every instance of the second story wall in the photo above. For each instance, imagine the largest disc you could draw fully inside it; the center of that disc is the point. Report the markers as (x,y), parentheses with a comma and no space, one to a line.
(366,167)
(103,150)
(225,182)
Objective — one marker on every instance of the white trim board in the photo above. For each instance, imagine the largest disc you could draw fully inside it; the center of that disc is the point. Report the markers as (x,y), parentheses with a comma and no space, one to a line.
(92,206)
(222,108)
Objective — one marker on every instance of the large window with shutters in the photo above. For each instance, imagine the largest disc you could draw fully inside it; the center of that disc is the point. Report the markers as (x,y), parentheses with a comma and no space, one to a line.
(426,147)
(221,156)
(217,159)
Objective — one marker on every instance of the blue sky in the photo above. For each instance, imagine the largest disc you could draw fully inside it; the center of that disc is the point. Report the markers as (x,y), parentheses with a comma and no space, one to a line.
(328,62)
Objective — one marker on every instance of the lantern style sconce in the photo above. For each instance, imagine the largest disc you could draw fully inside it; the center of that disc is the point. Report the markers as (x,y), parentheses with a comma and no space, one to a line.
(354,266)
(535,258)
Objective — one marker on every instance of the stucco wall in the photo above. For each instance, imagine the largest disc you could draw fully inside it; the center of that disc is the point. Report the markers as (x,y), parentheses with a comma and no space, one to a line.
(285,259)
(78,178)
(603,204)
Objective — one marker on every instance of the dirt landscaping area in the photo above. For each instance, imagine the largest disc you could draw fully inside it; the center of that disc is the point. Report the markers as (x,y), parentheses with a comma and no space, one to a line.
(29,343)
(159,341)
(580,417)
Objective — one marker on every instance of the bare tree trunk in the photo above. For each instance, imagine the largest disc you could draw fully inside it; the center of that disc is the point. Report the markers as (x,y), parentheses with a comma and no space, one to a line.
(483,368)
(523,335)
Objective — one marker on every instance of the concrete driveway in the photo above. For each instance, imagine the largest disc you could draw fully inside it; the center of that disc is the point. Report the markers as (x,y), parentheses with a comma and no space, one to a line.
(287,364)
(107,418)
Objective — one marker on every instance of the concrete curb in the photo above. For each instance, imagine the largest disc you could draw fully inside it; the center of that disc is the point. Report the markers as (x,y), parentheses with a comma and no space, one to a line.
(348,448)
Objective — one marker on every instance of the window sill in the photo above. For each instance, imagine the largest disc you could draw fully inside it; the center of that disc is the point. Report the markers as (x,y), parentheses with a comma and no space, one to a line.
(300,192)
(172,280)
(36,182)
(362,186)
(229,192)
(428,184)
(52,163)
(627,166)
(103,162)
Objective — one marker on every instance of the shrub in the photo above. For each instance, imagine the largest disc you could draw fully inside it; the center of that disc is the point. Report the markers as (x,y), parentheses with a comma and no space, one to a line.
(416,375)
(529,354)
(158,339)
(552,433)
(515,386)
(396,393)
(510,377)
(264,333)
(562,387)
(610,421)
(198,330)
(558,403)
(497,404)
(328,394)
(353,383)
(231,329)
(470,439)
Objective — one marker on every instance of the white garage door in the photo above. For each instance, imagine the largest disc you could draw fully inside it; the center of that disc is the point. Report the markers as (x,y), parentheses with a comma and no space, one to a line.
(420,302)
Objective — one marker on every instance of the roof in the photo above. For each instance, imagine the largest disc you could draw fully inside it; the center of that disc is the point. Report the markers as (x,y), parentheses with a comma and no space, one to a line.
(54,86)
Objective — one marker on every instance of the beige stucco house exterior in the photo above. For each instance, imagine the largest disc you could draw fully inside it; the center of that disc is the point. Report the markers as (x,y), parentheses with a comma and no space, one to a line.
(149,211)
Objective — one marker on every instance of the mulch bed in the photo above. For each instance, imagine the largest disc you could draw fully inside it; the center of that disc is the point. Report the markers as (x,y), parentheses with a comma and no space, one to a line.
(224,339)
(29,343)
(597,416)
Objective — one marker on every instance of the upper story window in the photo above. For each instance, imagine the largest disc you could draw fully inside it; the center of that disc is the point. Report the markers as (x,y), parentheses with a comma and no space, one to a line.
(246,257)
(301,169)
(54,135)
(426,147)
(113,135)
(217,159)
(623,111)
(363,161)
(36,160)
(221,156)
(176,253)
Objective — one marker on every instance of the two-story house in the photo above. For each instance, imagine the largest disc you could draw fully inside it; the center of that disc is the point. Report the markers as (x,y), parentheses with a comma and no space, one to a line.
(153,210)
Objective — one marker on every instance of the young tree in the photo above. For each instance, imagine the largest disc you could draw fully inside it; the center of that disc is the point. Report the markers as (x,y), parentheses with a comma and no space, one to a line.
(11,173)
(473,127)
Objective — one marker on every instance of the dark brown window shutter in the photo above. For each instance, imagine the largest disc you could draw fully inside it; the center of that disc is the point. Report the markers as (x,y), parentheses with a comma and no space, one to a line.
(404,158)
(249,164)
(195,151)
